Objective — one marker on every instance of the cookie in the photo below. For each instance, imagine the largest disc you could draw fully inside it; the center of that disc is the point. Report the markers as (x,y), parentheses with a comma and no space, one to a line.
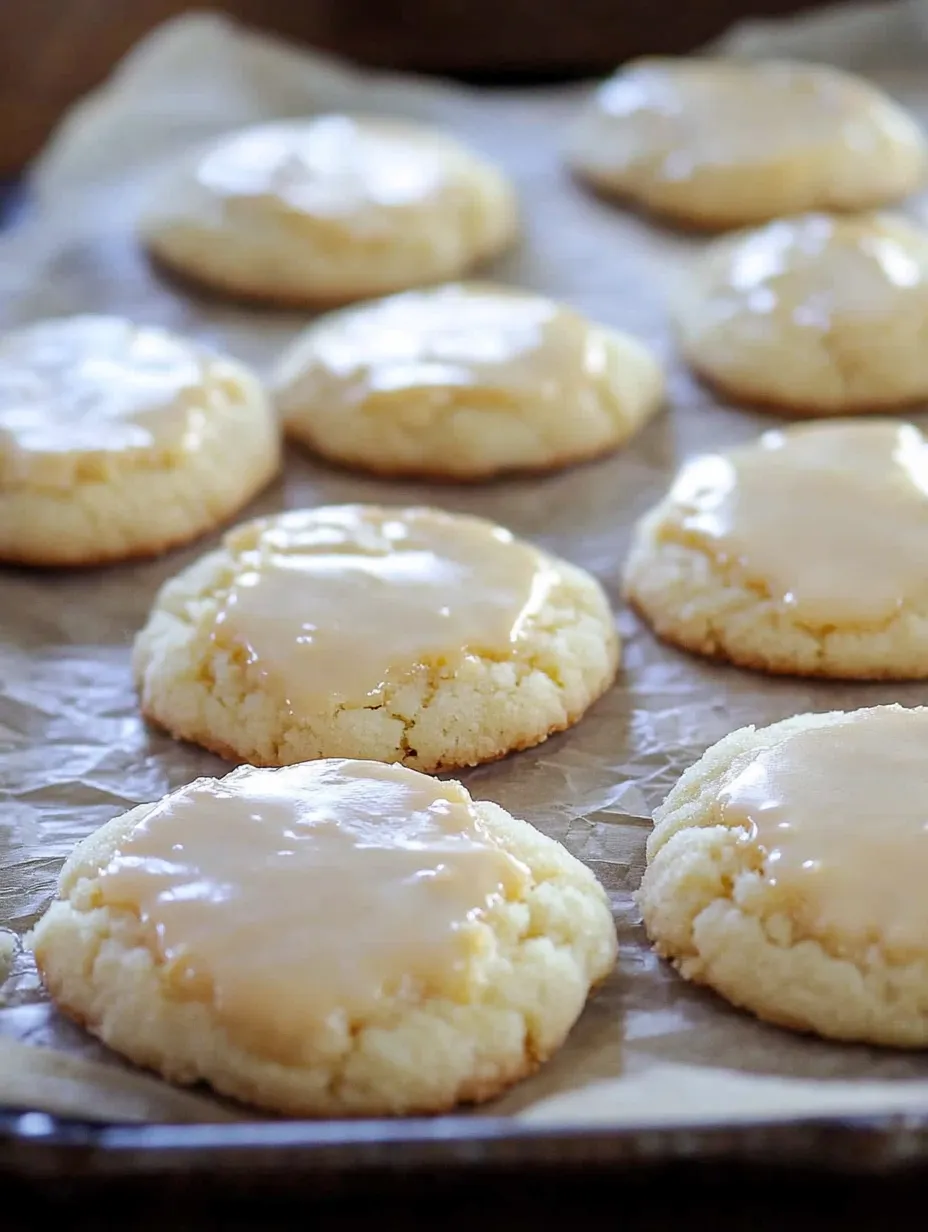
(815,315)
(717,143)
(464,382)
(332,939)
(406,635)
(802,553)
(328,210)
(120,440)
(786,871)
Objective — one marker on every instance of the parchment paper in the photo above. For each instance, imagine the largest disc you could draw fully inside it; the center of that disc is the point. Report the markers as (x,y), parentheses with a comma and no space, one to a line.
(649,1049)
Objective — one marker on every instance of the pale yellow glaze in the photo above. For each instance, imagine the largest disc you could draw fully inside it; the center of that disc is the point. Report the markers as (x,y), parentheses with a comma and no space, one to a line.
(94,385)
(841,815)
(310,896)
(334,168)
(330,606)
(829,520)
(813,271)
(328,210)
(679,118)
(441,345)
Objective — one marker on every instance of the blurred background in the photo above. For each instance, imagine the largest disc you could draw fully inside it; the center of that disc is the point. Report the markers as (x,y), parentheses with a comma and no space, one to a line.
(52,51)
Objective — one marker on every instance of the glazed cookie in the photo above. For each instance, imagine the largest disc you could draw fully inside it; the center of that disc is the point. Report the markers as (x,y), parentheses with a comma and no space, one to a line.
(803,553)
(721,143)
(786,871)
(816,315)
(404,635)
(332,939)
(121,440)
(463,383)
(327,210)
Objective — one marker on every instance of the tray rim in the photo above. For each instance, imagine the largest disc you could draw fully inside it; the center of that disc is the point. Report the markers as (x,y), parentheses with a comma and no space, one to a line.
(36,1146)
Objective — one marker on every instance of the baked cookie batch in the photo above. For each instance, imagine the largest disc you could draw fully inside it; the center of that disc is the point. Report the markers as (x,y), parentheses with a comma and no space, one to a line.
(329,930)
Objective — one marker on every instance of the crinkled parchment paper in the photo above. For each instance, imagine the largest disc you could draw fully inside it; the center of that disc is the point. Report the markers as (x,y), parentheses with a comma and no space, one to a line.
(73,751)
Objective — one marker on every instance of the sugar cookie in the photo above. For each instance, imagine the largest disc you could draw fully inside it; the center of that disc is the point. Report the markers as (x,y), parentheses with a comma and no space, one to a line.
(464,382)
(331,939)
(816,315)
(404,635)
(803,553)
(121,440)
(720,143)
(787,868)
(327,210)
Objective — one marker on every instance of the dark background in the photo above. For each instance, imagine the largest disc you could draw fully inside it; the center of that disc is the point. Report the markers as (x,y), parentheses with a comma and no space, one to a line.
(52,51)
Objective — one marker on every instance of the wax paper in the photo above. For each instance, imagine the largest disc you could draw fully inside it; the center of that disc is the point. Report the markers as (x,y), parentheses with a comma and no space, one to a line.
(650,1049)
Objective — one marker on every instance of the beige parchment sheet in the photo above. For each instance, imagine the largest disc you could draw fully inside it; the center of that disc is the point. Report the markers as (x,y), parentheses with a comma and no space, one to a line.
(649,1050)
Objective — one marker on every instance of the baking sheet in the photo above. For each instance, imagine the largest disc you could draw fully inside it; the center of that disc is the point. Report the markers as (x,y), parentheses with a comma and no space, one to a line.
(650,1050)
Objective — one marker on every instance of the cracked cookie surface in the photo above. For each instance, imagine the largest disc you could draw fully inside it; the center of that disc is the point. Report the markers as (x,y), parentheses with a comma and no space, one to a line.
(414,950)
(813,315)
(785,872)
(406,635)
(801,554)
